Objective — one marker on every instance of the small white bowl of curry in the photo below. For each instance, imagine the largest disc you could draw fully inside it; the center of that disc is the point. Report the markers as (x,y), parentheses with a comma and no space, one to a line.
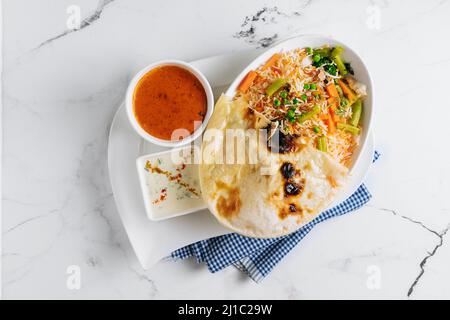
(169,103)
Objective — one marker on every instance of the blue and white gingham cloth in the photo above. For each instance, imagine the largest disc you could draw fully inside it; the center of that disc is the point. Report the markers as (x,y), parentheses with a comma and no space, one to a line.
(257,257)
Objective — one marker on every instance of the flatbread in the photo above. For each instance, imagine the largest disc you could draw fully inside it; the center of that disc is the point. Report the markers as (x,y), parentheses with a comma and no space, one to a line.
(257,199)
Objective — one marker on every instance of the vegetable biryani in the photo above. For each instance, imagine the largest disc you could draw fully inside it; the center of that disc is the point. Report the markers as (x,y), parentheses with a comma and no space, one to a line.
(309,94)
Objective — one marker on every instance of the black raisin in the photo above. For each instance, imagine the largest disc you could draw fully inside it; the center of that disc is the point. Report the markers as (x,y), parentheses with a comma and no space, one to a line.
(287,170)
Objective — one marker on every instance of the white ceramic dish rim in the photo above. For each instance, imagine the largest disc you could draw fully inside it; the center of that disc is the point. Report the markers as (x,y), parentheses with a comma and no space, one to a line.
(129,103)
(302,41)
(140,163)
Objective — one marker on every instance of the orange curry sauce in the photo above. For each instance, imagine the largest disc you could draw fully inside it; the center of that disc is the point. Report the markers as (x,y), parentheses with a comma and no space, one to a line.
(169,98)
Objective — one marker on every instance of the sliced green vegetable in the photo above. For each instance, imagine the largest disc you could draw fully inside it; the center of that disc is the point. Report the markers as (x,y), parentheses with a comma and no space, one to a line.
(339,90)
(337,51)
(306,86)
(356,112)
(275,86)
(336,57)
(316,57)
(316,129)
(322,143)
(304,97)
(323,52)
(283,94)
(347,127)
(313,86)
(308,115)
(295,101)
(309,50)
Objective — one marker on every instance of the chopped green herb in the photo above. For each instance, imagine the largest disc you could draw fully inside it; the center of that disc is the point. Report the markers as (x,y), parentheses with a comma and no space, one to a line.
(309,50)
(316,129)
(276,102)
(291,113)
(340,112)
(295,101)
(306,86)
(331,69)
(316,57)
(283,94)
(304,97)
(313,86)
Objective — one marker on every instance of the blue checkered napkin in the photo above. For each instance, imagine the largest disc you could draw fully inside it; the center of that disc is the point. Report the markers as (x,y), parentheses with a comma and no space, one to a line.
(257,257)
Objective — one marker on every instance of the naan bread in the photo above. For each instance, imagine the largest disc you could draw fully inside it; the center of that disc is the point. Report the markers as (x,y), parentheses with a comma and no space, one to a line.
(258,200)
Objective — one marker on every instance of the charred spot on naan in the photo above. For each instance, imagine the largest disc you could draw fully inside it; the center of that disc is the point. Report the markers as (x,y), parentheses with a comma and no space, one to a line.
(293,188)
(332,181)
(280,142)
(294,183)
(229,202)
(287,170)
(290,209)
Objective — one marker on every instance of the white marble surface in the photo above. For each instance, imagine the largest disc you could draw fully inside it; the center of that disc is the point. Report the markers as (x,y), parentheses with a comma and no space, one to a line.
(61,89)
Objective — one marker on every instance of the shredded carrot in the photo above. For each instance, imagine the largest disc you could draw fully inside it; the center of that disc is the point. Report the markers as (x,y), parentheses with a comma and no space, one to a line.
(328,118)
(247,81)
(273,59)
(332,91)
(332,102)
(276,70)
(332,181)
(330,123)
(347,91)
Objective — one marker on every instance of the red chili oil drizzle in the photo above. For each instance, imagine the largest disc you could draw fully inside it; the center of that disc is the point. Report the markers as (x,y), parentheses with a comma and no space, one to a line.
(171,177)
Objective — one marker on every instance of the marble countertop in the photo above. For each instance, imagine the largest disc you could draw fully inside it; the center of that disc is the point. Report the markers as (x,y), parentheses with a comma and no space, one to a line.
(62,86)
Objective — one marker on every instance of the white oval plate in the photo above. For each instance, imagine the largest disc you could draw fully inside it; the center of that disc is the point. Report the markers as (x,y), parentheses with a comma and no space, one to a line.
(152,240)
